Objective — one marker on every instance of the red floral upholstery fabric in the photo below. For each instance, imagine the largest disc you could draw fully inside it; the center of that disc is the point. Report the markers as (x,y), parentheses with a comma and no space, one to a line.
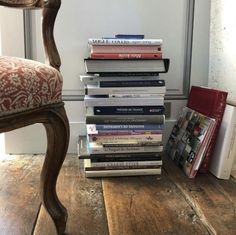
(27,84)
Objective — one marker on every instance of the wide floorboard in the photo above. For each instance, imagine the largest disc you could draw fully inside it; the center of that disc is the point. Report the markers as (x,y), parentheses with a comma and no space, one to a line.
(142,205)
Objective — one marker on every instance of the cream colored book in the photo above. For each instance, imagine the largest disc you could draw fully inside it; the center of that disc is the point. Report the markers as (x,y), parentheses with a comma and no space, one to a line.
(225,148)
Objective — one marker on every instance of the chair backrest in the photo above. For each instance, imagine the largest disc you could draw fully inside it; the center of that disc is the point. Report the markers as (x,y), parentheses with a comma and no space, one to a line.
(49,13)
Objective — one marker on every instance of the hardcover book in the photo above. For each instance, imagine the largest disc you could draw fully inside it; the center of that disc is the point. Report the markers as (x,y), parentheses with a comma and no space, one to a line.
(122,101)
(126,55)
(210,102)
(126,65)
(225,147)
(92,89)
(189,140)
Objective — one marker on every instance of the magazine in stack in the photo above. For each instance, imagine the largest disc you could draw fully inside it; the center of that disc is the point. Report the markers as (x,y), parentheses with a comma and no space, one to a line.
(124,100)
(190,139)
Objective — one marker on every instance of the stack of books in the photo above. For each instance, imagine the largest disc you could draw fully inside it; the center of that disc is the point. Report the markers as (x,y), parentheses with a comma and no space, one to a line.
(124,100)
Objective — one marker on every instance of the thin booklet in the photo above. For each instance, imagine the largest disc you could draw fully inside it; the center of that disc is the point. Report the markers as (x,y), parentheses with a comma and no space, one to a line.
(189,140)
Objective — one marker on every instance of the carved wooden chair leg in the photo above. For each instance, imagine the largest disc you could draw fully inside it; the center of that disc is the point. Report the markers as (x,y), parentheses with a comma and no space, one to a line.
(57,129)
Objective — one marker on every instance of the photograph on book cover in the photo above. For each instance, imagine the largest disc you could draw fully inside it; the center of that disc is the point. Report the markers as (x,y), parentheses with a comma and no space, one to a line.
(189,139)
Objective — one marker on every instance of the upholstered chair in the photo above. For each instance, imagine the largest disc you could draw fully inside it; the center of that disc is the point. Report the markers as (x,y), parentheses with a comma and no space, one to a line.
(30,92)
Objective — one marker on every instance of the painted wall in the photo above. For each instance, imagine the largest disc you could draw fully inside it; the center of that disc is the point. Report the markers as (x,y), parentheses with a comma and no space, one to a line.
(222,67)
(72,33)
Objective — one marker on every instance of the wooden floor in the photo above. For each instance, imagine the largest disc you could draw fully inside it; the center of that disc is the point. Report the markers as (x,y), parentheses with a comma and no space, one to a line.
(153,205)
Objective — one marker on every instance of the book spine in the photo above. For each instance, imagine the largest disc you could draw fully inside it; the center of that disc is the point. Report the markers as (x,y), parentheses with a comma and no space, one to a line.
(133,158)
(98,149)
(130,36)
(124,90)
(97,127)
(130,144)
(124,157)
(126,163)
(126,55)
(114,41)
(131,119)
(219,107)
(122,132)
(132,83)
(125,48)
(125,138)
(117,167)
(127,102)
(126,110)
(95,79)
(129,172)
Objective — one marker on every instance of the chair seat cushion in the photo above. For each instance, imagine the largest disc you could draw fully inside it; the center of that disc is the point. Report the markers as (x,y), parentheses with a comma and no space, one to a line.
(27,84)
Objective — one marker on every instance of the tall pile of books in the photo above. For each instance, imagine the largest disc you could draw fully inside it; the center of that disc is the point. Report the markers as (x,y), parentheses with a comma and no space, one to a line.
(124,100)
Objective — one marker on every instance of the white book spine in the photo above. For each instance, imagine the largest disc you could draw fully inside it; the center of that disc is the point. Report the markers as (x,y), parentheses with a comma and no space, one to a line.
(97,149)
(129,172)
(114,41)
(92,90)
(126,163)
(123,101)
(125,138)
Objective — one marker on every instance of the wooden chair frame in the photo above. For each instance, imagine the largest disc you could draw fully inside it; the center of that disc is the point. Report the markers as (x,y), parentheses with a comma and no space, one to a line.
(52,116)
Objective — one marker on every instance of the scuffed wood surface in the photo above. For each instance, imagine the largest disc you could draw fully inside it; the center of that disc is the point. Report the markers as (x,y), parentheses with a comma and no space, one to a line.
(212,199)
(148,205)
(19,194)
(171,204)
(83,199)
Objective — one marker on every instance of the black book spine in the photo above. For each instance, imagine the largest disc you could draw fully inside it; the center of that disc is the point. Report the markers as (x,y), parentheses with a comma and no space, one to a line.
(129,110)
(134,83)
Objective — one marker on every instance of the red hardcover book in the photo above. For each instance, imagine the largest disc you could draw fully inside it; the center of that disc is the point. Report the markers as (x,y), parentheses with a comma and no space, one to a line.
(210,102)
(126,55)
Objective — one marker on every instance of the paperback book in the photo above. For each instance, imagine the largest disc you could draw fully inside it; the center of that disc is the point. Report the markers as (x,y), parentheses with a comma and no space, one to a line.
(122,101)
(125,110)
(95,78)
(125,119)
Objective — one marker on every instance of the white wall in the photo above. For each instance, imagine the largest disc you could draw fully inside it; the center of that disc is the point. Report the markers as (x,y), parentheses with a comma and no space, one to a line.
(12,32)
(222,73)
(76,24)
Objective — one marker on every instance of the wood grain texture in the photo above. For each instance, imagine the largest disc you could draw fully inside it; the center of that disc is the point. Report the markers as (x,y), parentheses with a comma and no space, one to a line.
(148,205)
(83,199)
(19,194)
(212,199)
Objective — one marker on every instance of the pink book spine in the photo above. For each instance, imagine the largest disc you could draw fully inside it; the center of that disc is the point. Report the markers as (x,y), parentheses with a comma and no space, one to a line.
(125,49)
(126,55)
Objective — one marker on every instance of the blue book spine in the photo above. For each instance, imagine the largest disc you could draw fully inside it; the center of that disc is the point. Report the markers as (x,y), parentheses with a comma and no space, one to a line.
(133,83)
(130,127)
(129,110)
